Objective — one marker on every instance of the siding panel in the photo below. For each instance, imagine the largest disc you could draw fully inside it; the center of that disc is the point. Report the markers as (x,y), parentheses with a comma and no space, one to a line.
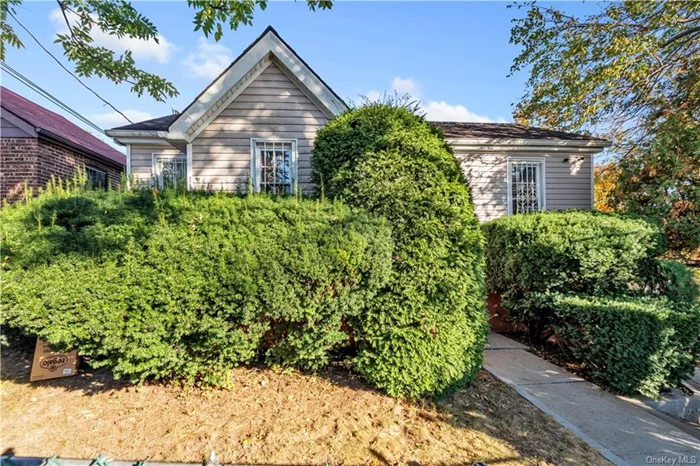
(567,179)
(271,107)
(142,161)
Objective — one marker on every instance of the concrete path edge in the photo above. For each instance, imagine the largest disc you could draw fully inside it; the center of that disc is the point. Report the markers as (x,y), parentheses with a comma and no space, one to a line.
(609,455)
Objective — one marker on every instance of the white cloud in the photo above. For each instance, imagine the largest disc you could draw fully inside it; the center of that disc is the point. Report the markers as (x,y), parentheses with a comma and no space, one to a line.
(111,119)
(406,86)
(373,95)
(150,50)
(434,110)
(442,111)
(208,60)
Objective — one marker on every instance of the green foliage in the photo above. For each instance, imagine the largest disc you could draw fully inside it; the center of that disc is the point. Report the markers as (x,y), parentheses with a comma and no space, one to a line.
(614,68)
(631,68)
(568,252)
(212,17)
(119,18)
(663,180)
(425,330)
(630,344)
(187,285)
(670,278)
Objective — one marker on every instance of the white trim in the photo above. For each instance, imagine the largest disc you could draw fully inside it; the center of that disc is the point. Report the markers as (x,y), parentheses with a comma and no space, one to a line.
(255,161)
(529,142)
(189,166)
(146,142)
(128,167)
(157,178)
(117,133)
(221,106)
(268,44)
(592,182)
(541,186)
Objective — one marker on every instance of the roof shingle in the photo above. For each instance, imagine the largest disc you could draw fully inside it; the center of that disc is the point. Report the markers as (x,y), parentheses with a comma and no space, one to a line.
(459,130)
(53,124)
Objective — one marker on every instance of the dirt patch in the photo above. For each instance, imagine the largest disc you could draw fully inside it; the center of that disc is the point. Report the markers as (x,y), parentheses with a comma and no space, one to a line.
(275,418)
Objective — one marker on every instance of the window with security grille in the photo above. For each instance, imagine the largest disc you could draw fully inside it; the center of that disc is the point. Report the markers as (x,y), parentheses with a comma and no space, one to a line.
(96,179)
(171,171)
(525,186)
(274,166)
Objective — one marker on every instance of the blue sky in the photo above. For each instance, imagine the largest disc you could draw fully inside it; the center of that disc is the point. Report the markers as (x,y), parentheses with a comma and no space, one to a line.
(453,56)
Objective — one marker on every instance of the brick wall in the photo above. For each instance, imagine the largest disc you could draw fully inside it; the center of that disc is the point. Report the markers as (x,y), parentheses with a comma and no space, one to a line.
(62,162)
(35,160)
(19,162)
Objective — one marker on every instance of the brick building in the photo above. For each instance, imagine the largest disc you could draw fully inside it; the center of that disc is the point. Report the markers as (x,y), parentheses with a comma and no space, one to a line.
(36,143)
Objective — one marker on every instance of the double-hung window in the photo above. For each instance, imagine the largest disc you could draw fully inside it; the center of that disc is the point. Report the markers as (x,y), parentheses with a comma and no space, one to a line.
(526,185)
(96,179)
(170,170)
(274,165)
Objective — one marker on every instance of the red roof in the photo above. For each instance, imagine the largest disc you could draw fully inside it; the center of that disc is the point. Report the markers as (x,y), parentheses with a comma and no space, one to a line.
(53,124)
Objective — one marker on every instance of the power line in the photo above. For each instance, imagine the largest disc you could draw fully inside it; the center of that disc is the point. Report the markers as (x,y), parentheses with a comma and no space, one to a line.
(66,69)
(38,89)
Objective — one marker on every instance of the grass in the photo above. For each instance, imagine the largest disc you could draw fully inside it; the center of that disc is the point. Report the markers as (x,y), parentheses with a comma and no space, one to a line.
(275,418)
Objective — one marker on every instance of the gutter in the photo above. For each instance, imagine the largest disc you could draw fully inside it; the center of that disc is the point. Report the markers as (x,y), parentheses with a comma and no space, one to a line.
(90,153)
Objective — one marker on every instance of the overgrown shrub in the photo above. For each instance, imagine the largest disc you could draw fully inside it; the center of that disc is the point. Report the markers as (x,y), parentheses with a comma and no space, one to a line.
(568,252)
(631,344)
(424,332)
(187,285)
(669,278)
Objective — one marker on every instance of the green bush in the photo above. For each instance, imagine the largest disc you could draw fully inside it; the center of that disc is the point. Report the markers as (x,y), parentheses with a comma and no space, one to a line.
(670,278)
(568,252)
(425,330)
(631,344)
(187,285)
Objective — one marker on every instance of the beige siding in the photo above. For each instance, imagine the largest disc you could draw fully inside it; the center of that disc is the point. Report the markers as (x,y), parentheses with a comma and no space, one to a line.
(567,183)
(142,161)
(272,106)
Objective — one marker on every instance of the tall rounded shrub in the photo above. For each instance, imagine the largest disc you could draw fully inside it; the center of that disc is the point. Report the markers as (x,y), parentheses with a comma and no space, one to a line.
(425,330)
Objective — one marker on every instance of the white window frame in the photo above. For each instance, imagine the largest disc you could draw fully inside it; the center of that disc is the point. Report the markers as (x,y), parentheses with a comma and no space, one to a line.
(255,161)
(157,175)
(541,186)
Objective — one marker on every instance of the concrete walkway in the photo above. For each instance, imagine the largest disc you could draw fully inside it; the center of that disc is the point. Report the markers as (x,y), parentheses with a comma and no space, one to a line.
(624,433)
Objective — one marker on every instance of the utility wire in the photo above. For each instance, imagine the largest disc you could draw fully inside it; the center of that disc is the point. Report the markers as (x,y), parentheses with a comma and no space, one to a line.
(38,89)
(66,69)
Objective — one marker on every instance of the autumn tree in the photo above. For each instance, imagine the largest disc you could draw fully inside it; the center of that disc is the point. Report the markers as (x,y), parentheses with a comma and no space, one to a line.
(121,19)
(628,72)
(605,186)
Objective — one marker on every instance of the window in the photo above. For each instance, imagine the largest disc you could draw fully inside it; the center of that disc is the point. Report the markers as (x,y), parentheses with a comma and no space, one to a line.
(96,179)
(274,165)
(170,170)
(525,185)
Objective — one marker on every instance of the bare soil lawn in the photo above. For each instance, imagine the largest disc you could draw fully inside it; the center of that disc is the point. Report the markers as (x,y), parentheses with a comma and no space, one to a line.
(274,418)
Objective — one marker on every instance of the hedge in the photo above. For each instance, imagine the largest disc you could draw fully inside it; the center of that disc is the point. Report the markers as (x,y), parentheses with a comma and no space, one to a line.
(631,344)
(569,252)
(425,330)
(186,285)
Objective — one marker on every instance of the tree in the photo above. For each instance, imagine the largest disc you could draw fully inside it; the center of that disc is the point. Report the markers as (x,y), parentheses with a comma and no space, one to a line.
(629,72)
(120,18)
(605,186)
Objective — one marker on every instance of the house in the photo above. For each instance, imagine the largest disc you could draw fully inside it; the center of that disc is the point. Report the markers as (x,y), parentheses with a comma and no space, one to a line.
(36,144)
(255,125)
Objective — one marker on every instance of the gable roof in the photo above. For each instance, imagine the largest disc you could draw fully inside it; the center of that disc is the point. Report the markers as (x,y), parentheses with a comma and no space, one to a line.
(267,48)
(53,126)
(154,124)
(459,130)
